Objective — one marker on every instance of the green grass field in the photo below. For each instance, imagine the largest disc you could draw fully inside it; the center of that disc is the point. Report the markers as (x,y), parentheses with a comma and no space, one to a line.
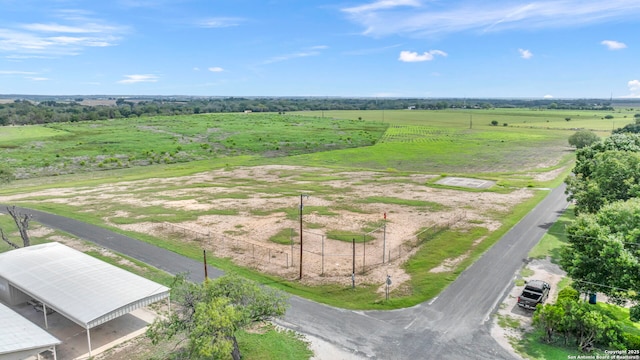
(395,144)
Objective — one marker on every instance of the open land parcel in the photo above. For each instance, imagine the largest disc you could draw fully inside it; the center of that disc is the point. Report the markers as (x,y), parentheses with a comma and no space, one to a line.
(239,196)
(237,191)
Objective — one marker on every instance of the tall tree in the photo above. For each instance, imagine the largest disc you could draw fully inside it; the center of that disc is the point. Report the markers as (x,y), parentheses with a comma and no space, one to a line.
(583,138)
(605,172)
(208,315)
(604,251)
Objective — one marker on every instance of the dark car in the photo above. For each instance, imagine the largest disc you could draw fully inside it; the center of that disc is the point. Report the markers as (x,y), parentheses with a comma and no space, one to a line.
(535,292)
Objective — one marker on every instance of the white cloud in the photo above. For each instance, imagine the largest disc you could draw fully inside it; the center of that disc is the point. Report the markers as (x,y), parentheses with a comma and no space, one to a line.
(36,78)
(384,18)
(220,22)
(548,96)
(634,88)
(613,45)
(132,79)
(411,56)
(216,69)
(525,54)
(16,72)
(380,5)
(75,31)
(310,51)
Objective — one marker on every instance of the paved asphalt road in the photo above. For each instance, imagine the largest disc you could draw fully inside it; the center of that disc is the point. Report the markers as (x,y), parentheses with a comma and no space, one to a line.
(455,325)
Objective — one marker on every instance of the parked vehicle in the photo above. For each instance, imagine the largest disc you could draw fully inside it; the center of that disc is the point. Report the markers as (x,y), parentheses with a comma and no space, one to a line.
(535,292)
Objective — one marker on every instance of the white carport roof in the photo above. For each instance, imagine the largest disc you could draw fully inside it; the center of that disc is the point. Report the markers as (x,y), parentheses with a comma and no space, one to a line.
(20,338)
(80,287)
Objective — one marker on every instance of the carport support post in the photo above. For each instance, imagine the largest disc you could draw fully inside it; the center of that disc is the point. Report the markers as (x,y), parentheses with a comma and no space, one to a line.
(89,340)
(44,310)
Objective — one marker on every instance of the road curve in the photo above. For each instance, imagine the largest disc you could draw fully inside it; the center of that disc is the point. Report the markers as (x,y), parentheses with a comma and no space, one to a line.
(455,325)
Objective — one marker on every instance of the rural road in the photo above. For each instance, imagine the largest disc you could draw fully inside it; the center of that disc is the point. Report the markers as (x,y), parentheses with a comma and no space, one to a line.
(454,325)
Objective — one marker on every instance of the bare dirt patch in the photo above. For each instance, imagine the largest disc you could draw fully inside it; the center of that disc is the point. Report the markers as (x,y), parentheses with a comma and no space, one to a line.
(234,212)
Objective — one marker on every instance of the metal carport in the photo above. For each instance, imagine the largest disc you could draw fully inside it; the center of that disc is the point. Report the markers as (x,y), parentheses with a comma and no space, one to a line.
(80,287)
(20,338)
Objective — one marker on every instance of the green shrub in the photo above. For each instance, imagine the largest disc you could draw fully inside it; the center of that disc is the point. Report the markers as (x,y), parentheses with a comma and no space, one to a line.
(631,341)
(568,294)
(634,315)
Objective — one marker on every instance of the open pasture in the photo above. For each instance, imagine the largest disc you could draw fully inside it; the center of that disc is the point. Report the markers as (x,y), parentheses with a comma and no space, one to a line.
(241,205)
(482,119)
(456,141)
(62,148)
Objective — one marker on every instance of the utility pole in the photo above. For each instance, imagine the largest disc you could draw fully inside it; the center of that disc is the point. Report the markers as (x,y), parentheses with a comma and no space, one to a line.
(206,275)
(353,271)
(301,206)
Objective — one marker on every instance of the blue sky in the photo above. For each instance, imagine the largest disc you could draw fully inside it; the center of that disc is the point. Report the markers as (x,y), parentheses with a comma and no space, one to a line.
(371,48)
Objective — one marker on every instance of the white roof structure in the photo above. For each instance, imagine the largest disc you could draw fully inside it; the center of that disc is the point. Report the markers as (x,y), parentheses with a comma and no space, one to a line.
(80,287)
(20,338)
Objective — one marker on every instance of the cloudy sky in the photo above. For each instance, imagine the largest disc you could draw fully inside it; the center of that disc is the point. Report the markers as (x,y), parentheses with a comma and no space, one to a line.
(373,48)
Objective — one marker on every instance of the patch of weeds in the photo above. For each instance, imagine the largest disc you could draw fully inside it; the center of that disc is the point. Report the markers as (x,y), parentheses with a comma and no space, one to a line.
(284,236)
(508,322)
(348,236)
(526,272)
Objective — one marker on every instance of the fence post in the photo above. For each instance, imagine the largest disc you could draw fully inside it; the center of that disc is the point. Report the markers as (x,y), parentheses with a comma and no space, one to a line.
(364,252)
(384,240)
(322,270)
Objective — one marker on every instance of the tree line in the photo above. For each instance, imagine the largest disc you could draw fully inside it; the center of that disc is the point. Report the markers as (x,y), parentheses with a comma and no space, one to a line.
(41,110)
(603,251)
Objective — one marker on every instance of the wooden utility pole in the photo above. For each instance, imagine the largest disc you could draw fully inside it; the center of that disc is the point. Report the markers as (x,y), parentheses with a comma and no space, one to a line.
(353,271)
(299,278)
(206,275)
(301,206)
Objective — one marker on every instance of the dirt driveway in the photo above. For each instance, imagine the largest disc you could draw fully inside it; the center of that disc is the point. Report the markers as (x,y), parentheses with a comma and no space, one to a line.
(516,320)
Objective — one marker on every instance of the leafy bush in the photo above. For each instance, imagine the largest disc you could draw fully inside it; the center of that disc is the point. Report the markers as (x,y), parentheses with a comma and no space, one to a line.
(568,294)
(634,315)
(583,138)
(631,341)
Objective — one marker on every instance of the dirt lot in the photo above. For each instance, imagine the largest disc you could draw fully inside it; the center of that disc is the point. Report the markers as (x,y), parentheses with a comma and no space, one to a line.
(248,212)
(238,210)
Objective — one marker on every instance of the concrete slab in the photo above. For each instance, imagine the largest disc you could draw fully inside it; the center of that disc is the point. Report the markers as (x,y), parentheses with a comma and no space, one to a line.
(74,337)
(466,182)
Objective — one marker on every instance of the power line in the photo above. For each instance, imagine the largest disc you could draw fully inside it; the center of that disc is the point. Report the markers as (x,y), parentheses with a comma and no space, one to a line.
(608,286)
(594,237)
